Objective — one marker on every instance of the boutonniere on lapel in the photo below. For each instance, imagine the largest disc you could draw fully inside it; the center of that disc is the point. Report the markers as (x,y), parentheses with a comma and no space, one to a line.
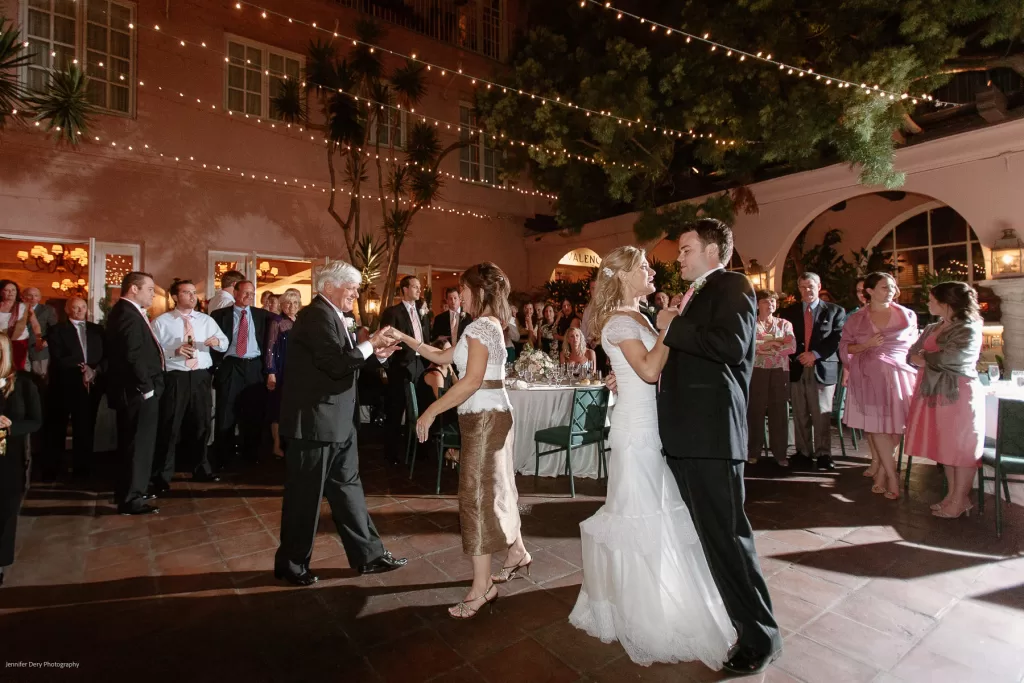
(350,325)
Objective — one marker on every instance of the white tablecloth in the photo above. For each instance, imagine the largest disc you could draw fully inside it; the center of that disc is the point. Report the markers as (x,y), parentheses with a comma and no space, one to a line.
(540,408)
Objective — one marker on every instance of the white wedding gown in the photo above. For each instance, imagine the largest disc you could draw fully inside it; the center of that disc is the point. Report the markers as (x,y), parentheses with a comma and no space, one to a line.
(646,582)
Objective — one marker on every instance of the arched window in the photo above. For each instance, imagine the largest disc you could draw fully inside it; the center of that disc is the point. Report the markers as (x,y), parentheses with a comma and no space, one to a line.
(937,240)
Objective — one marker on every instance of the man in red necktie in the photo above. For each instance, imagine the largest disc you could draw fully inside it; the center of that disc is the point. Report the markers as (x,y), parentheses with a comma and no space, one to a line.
(239,378)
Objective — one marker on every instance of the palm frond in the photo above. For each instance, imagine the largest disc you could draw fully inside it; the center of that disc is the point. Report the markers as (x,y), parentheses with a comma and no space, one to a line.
(398,182)
(409,84)
(396,224)
(368,258)
(425,186)
(344,124)
(321,70)
(64,106)
(12,92)
(288,103)
(423,144)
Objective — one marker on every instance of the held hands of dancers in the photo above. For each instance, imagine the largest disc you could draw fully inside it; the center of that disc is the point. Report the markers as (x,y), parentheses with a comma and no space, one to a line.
(665,318)
(385,342)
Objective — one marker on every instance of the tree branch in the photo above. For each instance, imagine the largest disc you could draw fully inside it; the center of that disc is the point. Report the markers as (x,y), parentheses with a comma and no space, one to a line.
(984,63)
(344,225)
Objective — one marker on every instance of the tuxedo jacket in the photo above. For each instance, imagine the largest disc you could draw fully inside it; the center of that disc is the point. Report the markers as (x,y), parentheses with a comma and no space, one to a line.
(702,404)
(66,354)
(320,398)
(134,365)
(826,333)
(225,319)
(404,365)
(442,325)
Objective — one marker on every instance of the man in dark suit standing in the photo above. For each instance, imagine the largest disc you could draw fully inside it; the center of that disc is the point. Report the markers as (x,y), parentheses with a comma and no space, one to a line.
(814,369)
(238,377)
(75,368)
(702,414)
(319,413)
(135,383)
(453,322)
(405,365)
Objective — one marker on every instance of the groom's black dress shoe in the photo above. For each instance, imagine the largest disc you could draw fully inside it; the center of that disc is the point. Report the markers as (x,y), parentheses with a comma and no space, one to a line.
(825,464)
(385,563)
(306,578)
(746,663)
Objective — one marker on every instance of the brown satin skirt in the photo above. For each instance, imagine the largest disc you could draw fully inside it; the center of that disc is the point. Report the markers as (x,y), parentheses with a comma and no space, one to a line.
(488,500)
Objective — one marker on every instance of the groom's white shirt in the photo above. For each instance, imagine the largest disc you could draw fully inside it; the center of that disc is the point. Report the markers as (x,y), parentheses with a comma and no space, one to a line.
(699,282)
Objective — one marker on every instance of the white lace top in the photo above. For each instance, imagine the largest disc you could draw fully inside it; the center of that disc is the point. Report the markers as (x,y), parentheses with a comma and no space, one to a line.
(487,332)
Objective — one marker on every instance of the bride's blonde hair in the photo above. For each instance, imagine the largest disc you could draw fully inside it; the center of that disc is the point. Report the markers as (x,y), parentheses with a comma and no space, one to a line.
(611,291)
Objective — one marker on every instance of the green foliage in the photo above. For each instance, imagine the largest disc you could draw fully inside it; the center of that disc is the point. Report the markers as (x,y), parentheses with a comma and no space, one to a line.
(782,123)
(64,106)
(577,292)
(12,93)
(368,258)
(667,278)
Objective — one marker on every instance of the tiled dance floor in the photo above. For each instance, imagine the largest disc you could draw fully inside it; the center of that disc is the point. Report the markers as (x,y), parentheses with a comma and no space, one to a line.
(866,589)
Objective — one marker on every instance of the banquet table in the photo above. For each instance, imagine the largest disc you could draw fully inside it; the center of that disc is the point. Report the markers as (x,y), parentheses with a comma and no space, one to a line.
(994,392)
(540,407)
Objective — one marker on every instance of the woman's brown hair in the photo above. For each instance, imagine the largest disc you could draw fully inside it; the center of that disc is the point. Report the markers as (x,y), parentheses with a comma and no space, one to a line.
(960,297)
(490,289)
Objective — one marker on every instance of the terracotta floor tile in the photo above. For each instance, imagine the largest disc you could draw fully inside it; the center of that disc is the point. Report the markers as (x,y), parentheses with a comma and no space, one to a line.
(170,525)
(883,615)
(424,655)
(525,660)
(116,554)
(791,612)
(582,652)
(810,588)
(923,664)
(814,663)
(195,557)
(876,649)
(167,543)
(238,527)
(926,601)
(228,514)
(237,546)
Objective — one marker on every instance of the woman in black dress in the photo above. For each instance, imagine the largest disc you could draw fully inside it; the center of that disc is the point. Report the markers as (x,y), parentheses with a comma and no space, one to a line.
(20,415)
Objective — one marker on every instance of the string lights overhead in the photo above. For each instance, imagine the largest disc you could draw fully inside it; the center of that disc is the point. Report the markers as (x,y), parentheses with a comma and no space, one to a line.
(764,57)
(193,163)
(475,81)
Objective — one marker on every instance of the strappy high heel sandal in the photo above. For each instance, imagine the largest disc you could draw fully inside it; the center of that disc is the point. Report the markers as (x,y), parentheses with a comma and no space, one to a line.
(951,515)
(463,610)
(508,573)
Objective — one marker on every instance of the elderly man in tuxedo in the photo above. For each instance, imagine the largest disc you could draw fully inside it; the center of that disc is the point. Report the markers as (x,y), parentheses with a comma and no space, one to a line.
(406,365)
(319,413)
(135,383)
(814,369)
(38,353)
(75,369)
(450,325)
(238,376)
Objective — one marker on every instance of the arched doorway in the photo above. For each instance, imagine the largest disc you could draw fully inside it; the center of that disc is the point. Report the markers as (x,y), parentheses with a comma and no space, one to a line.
(578,264)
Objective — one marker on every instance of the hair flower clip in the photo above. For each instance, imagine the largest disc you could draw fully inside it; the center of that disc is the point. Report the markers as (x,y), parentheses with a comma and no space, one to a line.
(607,271)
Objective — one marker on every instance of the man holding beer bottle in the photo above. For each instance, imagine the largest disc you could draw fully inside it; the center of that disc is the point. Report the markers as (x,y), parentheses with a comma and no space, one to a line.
(186,407)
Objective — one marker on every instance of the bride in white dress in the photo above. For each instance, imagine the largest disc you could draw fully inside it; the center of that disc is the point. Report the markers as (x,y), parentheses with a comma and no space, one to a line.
(646,582)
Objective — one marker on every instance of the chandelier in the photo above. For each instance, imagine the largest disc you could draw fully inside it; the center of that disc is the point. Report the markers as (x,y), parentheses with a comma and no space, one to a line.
(71,287)
(56,259)
(265,272)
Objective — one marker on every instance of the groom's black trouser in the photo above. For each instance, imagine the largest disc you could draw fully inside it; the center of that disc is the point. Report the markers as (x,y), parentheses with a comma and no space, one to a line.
(713,491)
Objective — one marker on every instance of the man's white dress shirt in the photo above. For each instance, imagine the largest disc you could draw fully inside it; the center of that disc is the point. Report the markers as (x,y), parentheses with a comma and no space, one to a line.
(169,329)
(221,299)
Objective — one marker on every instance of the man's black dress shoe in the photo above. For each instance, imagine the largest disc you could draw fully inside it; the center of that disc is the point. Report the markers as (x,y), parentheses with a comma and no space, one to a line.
(306,578)
(204,477)
(825,464)
(746,663)
(141,510)
(385,563)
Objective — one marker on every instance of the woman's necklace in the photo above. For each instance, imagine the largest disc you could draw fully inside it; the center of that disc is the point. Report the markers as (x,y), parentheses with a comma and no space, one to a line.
(763,326)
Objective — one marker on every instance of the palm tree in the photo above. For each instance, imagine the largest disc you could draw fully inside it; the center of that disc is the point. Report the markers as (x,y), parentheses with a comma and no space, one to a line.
(12,92)
(360,107)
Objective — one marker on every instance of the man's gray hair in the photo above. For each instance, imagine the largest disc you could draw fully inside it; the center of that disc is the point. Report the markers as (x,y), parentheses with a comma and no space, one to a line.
(812,277)
(337,273)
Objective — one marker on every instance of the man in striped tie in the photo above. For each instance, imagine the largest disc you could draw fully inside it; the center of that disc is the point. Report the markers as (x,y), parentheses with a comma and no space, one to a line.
(186,337)
(238,377)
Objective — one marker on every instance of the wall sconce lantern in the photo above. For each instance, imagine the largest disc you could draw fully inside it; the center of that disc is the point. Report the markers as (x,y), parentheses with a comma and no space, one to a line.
(1007,253)
(757,274)
(372,303)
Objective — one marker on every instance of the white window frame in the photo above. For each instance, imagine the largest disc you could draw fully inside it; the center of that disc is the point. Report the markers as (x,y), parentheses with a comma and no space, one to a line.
(403,130)
(481,148)
(80,50)
(266,77)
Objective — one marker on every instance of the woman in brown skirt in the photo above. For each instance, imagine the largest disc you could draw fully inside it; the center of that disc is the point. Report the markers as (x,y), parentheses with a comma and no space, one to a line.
(488,501)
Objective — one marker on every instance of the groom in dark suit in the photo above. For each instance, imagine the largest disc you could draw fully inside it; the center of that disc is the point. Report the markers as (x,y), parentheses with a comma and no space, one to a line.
(319,412)
(702,413)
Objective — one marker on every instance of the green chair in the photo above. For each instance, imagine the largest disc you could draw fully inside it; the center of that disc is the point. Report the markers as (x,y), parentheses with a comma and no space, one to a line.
(586,426)
(412,413)
(1007,458)
(448,436)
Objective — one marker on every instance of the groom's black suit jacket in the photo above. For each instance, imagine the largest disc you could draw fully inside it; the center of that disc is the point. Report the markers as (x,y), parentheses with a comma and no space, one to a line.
(702,405)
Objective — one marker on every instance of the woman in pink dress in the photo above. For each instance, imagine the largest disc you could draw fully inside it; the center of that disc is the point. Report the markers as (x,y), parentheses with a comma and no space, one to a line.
(947,416)
(875,343)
